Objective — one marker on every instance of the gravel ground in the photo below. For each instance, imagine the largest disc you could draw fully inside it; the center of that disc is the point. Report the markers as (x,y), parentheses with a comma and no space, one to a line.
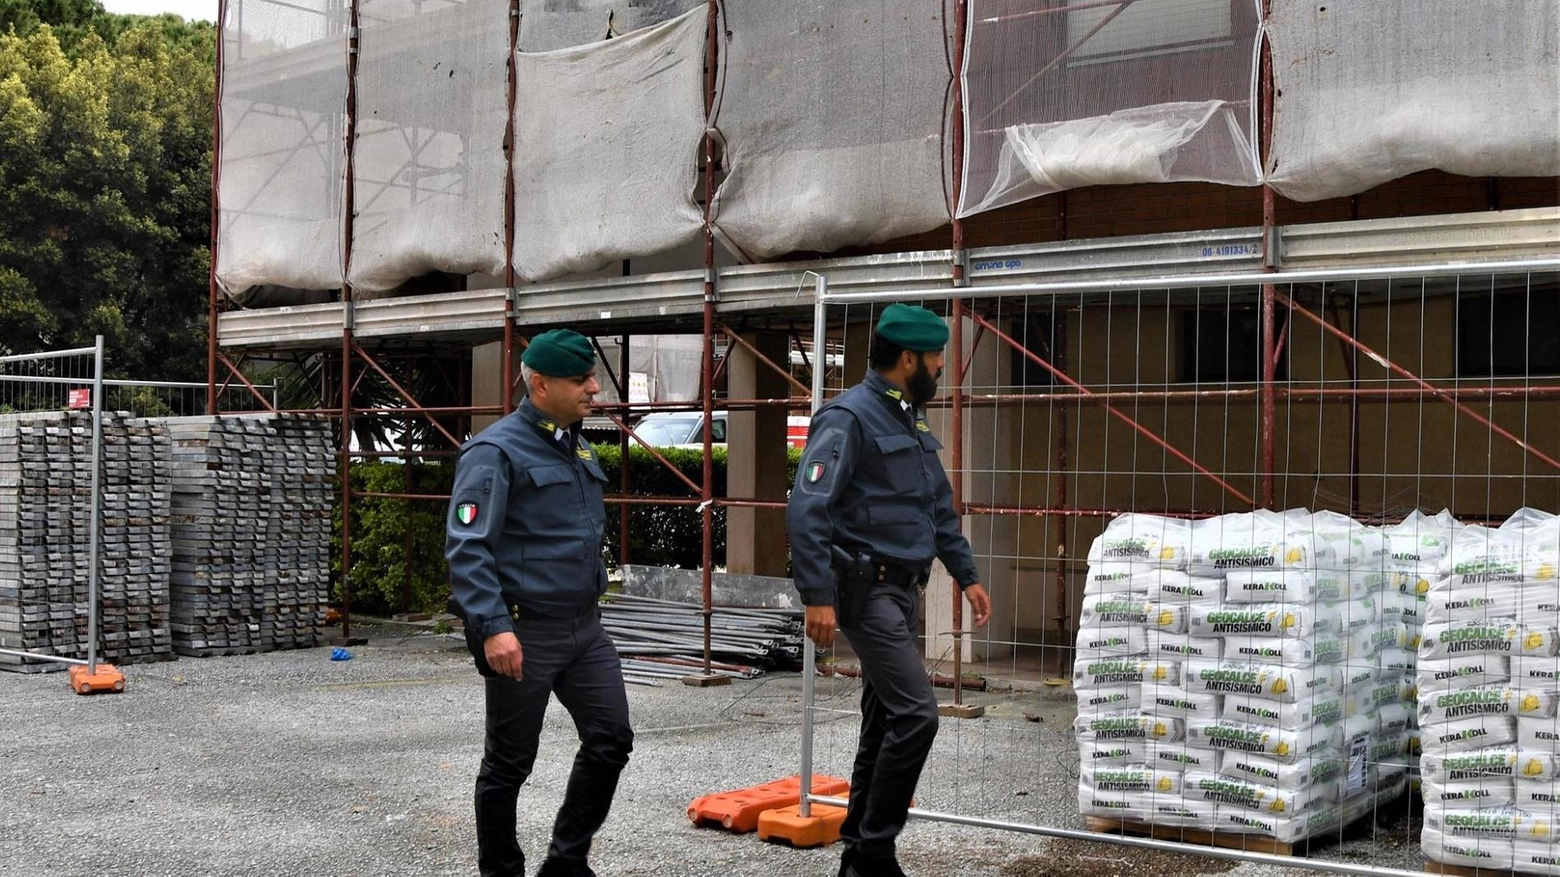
(291,764)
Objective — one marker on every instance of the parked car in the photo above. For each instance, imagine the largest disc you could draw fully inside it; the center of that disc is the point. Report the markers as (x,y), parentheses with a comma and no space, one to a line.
(685,429)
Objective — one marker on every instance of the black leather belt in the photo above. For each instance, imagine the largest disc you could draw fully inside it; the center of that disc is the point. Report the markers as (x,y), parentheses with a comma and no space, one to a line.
(895,573)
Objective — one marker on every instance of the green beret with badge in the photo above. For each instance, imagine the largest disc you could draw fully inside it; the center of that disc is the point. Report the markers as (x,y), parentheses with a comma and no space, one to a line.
(560,353)
(913,328)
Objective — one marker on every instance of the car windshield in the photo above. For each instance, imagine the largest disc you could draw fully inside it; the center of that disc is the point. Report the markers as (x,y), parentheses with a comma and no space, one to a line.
(665,430)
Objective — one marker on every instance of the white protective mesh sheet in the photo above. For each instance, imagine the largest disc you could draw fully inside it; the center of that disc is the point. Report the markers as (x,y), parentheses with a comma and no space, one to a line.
(1369,92)
(429,166)
(283,159)
(547,25)
(833,118)
(1089,94)
(608,139)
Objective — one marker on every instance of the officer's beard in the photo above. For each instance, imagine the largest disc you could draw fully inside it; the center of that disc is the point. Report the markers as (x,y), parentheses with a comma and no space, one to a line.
(922,385)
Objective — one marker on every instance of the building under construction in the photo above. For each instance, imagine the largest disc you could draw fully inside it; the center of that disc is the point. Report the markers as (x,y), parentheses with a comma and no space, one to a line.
(1201,256)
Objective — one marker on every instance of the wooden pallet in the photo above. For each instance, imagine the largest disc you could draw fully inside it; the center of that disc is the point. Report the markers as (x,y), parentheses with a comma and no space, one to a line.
(1255,843)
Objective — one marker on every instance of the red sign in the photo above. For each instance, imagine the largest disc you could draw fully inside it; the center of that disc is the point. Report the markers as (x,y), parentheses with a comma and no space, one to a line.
(80,399)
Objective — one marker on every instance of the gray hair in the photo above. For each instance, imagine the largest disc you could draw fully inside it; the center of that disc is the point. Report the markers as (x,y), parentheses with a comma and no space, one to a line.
(525,377)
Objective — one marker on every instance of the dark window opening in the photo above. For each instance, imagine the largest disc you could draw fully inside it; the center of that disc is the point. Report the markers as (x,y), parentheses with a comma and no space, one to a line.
(1224,346)
(1508,334)
(1037,332)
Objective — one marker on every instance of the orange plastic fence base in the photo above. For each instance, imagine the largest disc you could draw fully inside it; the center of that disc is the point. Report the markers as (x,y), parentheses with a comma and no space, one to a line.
(738,810)
(107,678)
(788,824)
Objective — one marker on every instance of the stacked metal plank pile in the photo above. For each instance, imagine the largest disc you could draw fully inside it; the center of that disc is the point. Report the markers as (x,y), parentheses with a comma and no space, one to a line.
(251,533)
(45,537)
(664,638)
(135,541)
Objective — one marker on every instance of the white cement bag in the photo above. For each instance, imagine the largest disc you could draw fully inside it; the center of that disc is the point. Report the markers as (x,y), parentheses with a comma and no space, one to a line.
(1261,680)
(1107,751)
(1097,643)
(1464,671)
(1482,853)
(1398,606)
(1446,706)
(1385,747)
(1276,620)
(1484,792)
(1465,734)
(1318,820)
(1491,822)
(1492,636)
(1535,857)
(1235,792)
(1111,699)
(1538,734)
(1365,643)
(1535,671)
(1396,662)
(1127,725)
(1179,647)
(1176,702)
(1120,578)
(1320,773)
(1111,672)
(1538,640)
(1285,716)
(1180,756)
(1178,587)
(1394,718)
(1270,586)
(1121,805)
(1142,539)
(1109,611)
(1129,778)
(1354,614)
(1179,814)
(1321,648)
(1473,604)
(1420,541)
(1251,738)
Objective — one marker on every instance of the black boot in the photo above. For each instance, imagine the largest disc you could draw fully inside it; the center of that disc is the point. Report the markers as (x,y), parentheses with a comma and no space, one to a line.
(872,866)
(845,859)
(563,868)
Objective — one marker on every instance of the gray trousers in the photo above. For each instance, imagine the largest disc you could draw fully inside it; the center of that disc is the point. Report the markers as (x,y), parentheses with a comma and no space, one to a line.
(898,720)
(574,659)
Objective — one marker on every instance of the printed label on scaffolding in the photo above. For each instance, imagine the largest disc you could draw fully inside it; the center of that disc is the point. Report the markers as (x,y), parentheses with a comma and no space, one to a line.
(79,399)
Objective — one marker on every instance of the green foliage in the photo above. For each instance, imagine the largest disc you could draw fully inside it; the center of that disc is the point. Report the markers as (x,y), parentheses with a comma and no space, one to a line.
(667,535)
(105,180)
(389,573)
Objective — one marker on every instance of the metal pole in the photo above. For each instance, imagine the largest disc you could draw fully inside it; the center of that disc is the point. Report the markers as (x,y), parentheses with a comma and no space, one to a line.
(957,484)
(809,659)
(97,505)
(216,189)
(623,455)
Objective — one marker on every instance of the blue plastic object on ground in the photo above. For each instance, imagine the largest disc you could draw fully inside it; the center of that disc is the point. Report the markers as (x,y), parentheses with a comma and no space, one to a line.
(340,654)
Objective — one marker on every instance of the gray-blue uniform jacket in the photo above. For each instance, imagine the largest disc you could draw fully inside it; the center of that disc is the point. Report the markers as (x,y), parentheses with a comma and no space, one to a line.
(525,523)
(871,482)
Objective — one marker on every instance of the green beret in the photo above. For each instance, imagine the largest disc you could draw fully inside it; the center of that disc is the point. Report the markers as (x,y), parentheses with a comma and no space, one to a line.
(560,353)
(913,327)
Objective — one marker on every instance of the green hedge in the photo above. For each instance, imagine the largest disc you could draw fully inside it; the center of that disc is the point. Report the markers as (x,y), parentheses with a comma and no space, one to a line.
(387,579)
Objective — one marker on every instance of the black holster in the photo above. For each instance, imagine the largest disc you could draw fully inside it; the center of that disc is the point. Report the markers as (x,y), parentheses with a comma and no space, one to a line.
(852,578)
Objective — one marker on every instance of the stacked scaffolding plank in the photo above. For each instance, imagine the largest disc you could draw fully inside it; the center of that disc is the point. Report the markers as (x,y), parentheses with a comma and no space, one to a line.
(251,533)
(46,467)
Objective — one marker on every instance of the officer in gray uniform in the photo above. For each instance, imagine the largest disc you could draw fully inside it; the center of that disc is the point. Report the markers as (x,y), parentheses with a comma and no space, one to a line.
(870,509)
(524,546)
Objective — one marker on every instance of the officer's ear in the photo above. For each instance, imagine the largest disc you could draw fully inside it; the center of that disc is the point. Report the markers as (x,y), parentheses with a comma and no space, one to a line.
(909,361)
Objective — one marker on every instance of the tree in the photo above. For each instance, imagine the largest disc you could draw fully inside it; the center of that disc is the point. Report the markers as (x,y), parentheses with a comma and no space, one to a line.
(105,170)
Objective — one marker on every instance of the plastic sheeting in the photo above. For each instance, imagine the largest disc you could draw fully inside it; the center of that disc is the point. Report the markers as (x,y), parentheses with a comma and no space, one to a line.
(608,139)
(283,155)
(833,116)
(1369,92)
(429,167)
(548,25)
(1143,91)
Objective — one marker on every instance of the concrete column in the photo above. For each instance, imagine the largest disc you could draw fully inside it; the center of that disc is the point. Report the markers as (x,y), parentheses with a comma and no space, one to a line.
(487,382)
(756,457)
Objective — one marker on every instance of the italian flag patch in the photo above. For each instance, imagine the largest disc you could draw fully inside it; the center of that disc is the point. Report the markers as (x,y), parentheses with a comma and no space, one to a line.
(466,513)
(814,472)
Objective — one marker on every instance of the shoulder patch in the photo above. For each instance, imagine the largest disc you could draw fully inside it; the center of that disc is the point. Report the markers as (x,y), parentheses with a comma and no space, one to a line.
(921,425)
(814,472)
(466,513)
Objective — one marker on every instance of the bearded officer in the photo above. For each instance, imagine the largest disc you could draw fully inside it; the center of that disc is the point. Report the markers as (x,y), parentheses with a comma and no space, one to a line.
(870,509)
(524,547)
